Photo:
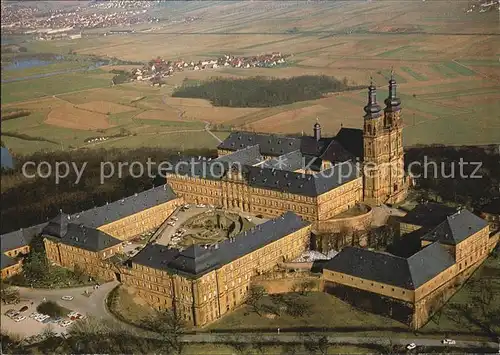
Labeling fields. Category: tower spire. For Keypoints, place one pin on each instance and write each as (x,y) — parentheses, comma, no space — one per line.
(392,102)
(372,109)
(317,130)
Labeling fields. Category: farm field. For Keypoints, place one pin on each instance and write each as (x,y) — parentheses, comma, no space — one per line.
(445,62)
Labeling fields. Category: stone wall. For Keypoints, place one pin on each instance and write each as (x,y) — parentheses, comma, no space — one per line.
(431,303)
(283,282)
(493,241)
(373,302)
(335,225)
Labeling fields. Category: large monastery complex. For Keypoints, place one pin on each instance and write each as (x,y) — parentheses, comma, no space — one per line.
(260,200)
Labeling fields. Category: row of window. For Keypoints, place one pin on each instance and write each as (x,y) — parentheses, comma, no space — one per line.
(372,284)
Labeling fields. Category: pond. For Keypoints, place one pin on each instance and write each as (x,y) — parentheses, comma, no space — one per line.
(26,63)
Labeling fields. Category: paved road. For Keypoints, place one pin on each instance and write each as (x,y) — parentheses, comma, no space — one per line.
(207,129)
(93,305)
(288,338)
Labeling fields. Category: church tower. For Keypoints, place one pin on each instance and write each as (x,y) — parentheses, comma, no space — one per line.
(384,178)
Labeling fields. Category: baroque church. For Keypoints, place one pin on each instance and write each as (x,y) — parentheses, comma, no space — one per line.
(315,177)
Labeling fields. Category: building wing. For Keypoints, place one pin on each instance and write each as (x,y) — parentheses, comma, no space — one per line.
(456,228)
(373,266)
(197,260)
(429,263)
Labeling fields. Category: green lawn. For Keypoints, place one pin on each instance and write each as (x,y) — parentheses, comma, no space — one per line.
(180,141)
(460,69)
(394,52)
(221,349)
(444,70)
(23,147)
(329,313)
(461,129)
(50,68)
(480,62)
(386,74)
(53,85)
(20,124)
(453,318)
(414,74)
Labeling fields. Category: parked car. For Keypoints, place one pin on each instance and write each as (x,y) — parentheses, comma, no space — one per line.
(41,317)
(13,314)
(34,315)
(67,298)
(10,312)
(56,320)
(47,320)
(66,323)
(175,219)
(411,346)
(449,342)
(19,318)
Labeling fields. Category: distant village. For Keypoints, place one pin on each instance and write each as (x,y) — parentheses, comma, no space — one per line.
(484,7)
(158,69)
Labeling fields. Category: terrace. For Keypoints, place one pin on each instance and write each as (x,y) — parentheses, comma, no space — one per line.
(204,225)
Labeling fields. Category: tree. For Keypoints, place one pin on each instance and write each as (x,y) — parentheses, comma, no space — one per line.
(8,293)
(304,286)
(239,345)
(170,326)
(389,347)
(315,344)
(289,349)
(36,267)
(297,307)
(52,309)
(10,344)
(254,296)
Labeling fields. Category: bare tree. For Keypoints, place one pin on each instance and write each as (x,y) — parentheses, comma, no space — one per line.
(254,296)
(238,344)
(170,326)
(8,294)
(315,344)
(289,349)
(304,286)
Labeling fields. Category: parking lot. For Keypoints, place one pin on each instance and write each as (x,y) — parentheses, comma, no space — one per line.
(29,326)
(86,300)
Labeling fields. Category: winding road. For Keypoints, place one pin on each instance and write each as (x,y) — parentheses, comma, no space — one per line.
(95,305)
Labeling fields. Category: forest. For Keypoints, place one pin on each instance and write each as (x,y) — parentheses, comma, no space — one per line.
(262,91)
(442,180)
(30,201)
